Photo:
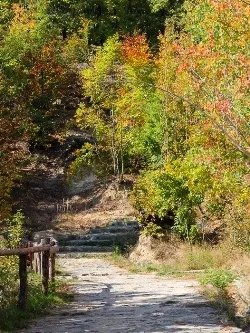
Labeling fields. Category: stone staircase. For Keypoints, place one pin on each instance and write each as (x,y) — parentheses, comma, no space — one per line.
(117,235)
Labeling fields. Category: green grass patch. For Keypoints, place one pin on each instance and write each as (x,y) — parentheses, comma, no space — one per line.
(199,259)
(151,268)
(11,318)
(219,278)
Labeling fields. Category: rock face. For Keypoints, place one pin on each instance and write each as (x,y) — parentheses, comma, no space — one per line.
(152,250)
(144,251)
(109,300)
(118,234)
(82,184)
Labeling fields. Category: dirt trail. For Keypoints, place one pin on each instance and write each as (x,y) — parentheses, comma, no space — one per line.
(110,300)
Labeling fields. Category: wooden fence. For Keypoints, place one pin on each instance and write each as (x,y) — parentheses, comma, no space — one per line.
(38,257)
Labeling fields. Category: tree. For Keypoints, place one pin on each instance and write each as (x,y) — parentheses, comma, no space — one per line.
(203,80)
(213,66)
(119,88)
(107,18)
(37,71)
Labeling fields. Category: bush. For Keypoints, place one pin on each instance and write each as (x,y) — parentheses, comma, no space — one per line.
(12,318)
(9,265)
(200,258)
(159,192)
(152,230)
(218,278)
(14,232)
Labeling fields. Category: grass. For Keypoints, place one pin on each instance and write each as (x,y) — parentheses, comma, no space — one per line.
(123,261)
(11,318)
(183,260)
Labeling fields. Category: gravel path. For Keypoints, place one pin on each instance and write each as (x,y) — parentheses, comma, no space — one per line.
(110,300)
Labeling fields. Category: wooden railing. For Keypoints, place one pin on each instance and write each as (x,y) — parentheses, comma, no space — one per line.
(40,258)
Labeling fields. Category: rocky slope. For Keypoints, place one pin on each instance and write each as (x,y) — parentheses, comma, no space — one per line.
(50,200)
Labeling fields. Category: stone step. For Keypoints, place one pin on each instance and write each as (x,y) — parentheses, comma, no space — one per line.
(101,236)
(89,242)
(131,239)
(113,229)
(82,249)
(100,233)
(77,254)
(122,223)
(100,239)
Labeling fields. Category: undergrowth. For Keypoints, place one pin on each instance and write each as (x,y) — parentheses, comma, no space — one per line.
(12,318)
(181,258)
(219,278)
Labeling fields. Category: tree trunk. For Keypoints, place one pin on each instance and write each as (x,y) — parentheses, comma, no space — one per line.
(45,267)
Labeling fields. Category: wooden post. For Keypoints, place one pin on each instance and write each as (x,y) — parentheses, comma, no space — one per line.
(35,260)
(45,267)
(31,257)
(24,253)
(35,266)
(23,291)
(39,264)
(52,271)
(32,261)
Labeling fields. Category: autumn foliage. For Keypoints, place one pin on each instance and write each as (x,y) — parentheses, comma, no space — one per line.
(176,113)
(135,49)
(203,77)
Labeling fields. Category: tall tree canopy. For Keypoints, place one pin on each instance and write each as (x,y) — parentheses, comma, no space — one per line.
(203,77)
(171,107)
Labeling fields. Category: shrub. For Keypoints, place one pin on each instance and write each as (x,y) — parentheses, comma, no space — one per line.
(12,318)
(14,232)
(218,278)
(158,192)
(9,265)
(152,230)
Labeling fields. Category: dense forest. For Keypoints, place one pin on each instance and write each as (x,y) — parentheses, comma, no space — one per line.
(162,87)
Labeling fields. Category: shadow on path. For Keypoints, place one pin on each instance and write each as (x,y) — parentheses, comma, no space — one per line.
(115,302)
